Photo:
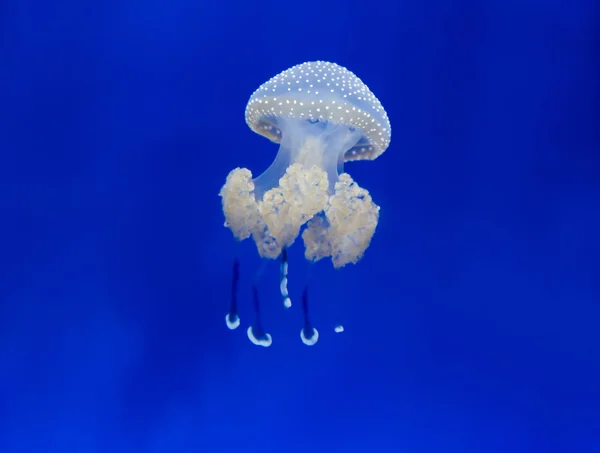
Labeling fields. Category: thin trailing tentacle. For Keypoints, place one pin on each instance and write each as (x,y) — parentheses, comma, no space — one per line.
(283,280)
(256,333)
(308,334)
(232,319)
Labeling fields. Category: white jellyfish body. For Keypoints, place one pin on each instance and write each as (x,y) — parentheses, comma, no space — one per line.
(321,115)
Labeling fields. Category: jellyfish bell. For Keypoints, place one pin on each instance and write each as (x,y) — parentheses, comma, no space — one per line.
(321,115)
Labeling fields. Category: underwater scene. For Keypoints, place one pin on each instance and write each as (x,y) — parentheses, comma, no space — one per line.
(333,226)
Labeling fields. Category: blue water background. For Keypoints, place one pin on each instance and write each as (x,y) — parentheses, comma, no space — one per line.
(472,323)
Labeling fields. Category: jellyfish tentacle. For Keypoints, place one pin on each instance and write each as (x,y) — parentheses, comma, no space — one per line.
(256,333)
(309,334)
(283,280)
(232,319)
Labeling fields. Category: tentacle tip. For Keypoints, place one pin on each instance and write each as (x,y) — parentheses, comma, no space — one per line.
(309,340)
(232,321)
(338,328)
(287,302)
(263,340)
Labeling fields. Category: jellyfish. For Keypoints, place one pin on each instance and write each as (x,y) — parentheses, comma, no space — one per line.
(321,115)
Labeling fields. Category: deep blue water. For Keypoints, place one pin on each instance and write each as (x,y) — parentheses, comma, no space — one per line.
(472,323)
